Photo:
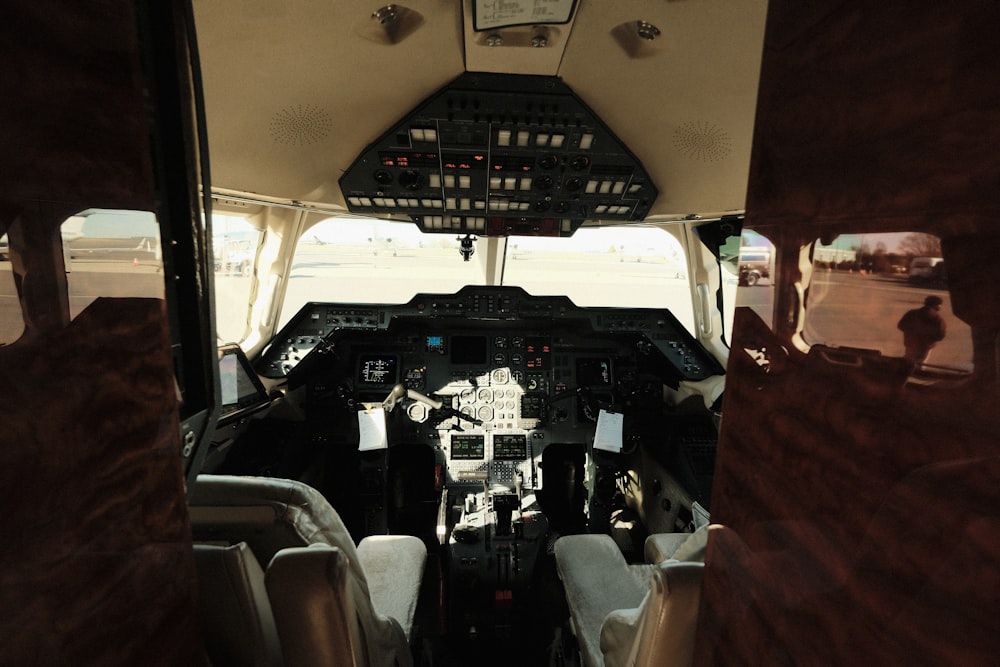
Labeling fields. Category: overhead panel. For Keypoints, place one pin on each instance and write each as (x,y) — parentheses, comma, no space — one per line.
(495,154)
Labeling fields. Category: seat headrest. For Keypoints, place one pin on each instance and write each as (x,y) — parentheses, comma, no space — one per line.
(267,513)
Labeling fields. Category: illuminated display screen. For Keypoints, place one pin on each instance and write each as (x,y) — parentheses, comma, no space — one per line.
(377,369)
(593,371)
(510,447)
(463,161)
(531,406)
(240,386)
(537,353)
(468,349)
(416,159)
(468,447)
(434,344)
(512,163)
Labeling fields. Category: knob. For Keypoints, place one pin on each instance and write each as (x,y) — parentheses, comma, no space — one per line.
(544,183)
(410,179)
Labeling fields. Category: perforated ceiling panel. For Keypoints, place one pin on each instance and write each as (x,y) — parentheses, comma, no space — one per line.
(496,154)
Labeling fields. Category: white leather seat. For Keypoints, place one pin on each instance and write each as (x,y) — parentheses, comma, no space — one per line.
(234,612)
(280,517)
(323,615)
(624,614)
(687,547)
(660,632)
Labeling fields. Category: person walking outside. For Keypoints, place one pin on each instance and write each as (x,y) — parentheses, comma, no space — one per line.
(922,328)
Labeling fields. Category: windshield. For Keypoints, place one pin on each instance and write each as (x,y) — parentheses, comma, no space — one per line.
(377,261)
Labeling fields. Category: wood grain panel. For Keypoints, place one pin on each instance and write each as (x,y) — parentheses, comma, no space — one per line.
(96,563)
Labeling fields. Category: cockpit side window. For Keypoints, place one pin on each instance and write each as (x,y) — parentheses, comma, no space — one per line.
(113,253)
(748,261)
(887,292)
(11,317)
(235,244)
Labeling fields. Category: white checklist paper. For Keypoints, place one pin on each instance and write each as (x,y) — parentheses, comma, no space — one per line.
(371,426)
(609,431)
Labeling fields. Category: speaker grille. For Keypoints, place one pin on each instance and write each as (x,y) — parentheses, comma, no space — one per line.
(300,124)
(703,141)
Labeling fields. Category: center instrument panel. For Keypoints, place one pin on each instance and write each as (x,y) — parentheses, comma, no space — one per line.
(494,374)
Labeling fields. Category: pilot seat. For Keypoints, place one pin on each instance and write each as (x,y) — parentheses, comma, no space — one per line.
(332,602)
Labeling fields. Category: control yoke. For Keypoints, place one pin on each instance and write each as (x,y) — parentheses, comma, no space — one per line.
(399,391)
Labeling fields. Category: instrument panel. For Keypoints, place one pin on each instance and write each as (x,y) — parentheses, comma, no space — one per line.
(317,324)
(496,154)
(491,375)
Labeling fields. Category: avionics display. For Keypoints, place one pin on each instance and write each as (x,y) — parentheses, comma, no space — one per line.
(593,371)
(435,344)
(510,447)
(468,349)
(409,159)
(468,447)
(536,353)
(241,389)
(532,405)
(377,369)
(463,160)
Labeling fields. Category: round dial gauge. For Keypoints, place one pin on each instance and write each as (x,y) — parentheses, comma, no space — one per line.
(414,378)
(417,412)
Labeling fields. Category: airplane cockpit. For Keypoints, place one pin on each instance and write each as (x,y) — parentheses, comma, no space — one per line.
(569,333)
(494,418)
(488,422)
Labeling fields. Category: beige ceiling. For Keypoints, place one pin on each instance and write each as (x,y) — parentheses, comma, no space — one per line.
(296,89)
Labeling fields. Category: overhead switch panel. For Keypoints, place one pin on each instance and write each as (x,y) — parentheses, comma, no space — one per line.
(499,154)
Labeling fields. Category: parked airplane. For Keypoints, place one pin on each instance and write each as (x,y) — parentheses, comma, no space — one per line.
(437,346)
